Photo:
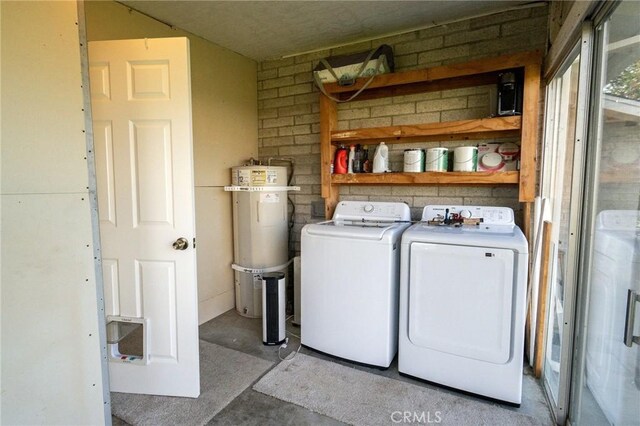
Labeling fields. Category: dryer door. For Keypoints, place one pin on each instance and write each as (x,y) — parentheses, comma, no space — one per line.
(461,300)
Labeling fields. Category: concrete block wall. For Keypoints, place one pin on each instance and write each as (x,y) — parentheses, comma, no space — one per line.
(289,121)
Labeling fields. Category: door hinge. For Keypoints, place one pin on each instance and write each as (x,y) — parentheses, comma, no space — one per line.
(194,242)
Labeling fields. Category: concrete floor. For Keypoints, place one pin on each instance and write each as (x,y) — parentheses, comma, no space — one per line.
(253,408)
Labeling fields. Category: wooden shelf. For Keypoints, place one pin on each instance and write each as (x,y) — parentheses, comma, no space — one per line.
(427,178)
(473,73)
(498,127)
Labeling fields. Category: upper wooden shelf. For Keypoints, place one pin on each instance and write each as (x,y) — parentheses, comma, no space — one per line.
(472,73)
(453,130)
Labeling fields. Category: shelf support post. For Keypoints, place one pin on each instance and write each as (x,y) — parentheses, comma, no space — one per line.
(529,137)
(328,123)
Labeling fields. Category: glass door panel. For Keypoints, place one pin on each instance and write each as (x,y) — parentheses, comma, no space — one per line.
(558,189)
(606,377)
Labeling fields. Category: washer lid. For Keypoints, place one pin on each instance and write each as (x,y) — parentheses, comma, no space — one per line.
(372,211)
(363,230)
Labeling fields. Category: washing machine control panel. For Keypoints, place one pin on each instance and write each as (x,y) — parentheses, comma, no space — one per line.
(496,216)
(371,211)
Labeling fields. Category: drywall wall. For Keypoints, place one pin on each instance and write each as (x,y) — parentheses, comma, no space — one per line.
(51,363)
(289,119)
(224,108)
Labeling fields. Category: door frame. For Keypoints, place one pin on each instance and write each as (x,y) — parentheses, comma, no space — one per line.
(589,210)
(93,203)
(576,201)
(587,243)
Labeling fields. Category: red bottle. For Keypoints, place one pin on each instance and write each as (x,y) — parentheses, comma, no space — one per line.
(340,161)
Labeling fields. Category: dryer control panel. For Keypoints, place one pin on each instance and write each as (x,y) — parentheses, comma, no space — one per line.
(485,215)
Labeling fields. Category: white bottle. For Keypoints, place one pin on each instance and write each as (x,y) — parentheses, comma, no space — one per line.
(352,156)
(381,159)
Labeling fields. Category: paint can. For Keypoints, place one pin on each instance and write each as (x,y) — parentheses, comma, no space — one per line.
(465,159)
(509,151)
(413,160)
(437,160)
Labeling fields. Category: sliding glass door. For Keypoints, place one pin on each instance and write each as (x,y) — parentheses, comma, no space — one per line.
(606,372)
(557,187)
(562,187)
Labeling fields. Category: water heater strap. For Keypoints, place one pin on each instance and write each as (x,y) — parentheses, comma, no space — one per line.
(261,188)
(260,270)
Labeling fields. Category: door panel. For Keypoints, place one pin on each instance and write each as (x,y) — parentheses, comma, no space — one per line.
(158,283)
(562,159)
(141,101)
(103,145)
(605,386)
(100,78)
(111,286)
(465,311)
(148,80)
(151,172)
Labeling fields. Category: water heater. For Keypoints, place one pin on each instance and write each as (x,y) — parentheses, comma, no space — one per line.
(260,231)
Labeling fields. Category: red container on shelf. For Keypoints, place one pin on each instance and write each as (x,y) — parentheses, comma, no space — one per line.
(340,161)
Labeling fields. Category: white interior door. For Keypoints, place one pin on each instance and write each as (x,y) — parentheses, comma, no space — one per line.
(141,104)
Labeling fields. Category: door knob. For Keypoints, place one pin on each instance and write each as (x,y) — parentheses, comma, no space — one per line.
(180,244)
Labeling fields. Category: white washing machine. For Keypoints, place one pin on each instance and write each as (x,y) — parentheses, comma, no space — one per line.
(462,300)
(612,368)
(350,279)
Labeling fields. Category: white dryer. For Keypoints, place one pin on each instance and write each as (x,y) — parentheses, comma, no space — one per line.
(350,279)
(612,368)
(462,300)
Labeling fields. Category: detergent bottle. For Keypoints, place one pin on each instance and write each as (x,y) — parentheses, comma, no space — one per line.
(358,160)
(340,161)
(352,157)
(366,163)
(381,159)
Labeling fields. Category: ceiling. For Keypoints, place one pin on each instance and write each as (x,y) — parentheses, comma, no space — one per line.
(271,29)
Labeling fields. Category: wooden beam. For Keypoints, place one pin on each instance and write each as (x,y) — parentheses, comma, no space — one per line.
(527,213)
(529,140)
(440,178)
(543,290)
(447,130)
(328,122)
(567,36)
